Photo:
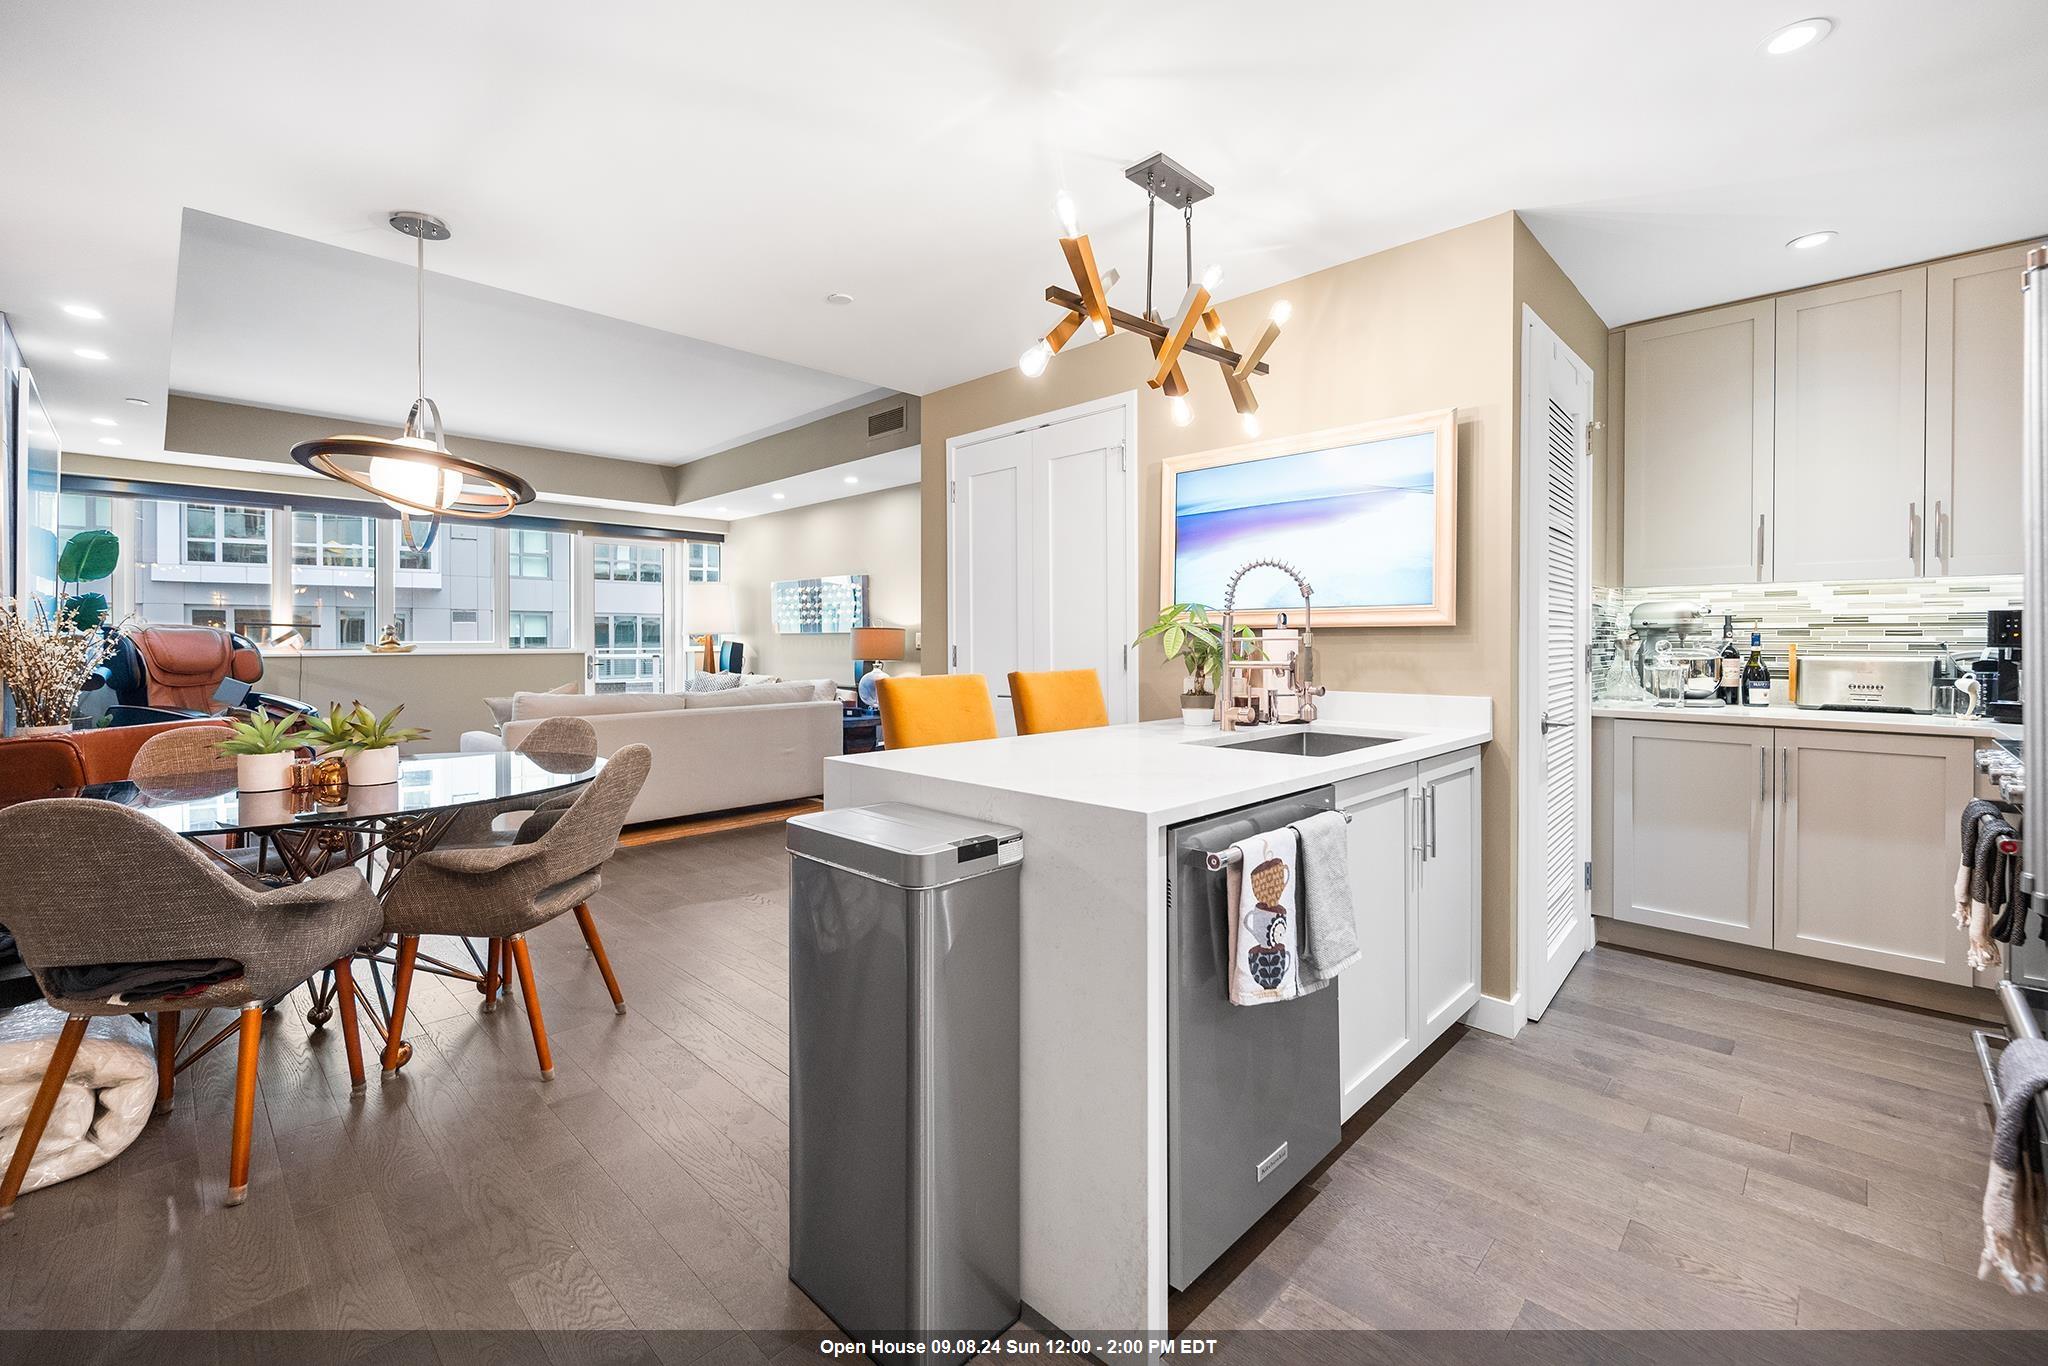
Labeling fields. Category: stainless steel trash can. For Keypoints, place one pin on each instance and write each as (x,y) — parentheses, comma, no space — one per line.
(903,1072)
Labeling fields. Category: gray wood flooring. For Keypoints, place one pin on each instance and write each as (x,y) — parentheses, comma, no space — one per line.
(1670,1147)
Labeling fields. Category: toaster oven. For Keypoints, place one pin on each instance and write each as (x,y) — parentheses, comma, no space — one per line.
(1867,682)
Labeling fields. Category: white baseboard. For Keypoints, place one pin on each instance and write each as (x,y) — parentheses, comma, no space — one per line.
(1496,1016)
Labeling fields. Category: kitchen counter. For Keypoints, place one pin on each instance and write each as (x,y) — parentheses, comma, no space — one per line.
(1874,722)
(1095,807)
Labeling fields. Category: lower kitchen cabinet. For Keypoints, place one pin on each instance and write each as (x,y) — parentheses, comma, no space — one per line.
(1693,828)
(1868,843)
(1414,852)
(1828,843)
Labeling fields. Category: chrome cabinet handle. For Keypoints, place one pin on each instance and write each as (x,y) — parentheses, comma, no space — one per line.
(1942,541)
(1546,725)
(1431,790)
(1763,774)
(1785,773)
(1760,546)
(1421,828)
(1913,532)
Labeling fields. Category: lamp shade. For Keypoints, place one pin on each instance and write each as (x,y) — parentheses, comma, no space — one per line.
(878,642)
(707,609)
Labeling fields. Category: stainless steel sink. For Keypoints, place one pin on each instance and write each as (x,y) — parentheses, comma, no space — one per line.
(1310,744)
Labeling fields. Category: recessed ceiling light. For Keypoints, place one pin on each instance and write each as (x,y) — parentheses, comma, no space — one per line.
(721,511)
(851,479)
(778,497)
(110,441)
(139,402)
(1808,241)
(104,422)
(85,311)
(1793,37)
(838,300)
(89,353)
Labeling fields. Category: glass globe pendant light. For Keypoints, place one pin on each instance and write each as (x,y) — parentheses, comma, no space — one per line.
(414,472)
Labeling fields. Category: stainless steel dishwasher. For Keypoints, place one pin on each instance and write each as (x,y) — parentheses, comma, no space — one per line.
(1252,1092)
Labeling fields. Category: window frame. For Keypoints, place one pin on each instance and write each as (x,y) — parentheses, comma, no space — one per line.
(218,537)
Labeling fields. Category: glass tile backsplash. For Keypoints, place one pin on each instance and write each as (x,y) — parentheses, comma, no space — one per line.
(1877,616)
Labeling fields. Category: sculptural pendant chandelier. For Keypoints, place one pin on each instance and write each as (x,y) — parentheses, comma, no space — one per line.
(1161,178)
(414,471)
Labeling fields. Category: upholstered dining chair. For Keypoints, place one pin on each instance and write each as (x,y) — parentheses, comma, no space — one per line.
(163,904)
(180,751)
(936,709)
(502,892)
(1058,699)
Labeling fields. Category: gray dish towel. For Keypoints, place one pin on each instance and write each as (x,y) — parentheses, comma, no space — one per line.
(2014,1203)
(1328,939)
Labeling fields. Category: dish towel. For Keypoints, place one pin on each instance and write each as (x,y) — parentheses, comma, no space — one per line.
(1264,965)
(1329,923)
(1981,881)
(2014,1203)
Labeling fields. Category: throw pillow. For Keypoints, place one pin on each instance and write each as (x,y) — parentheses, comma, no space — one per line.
(703,682)
(501,707)
(765,694)
(532,706)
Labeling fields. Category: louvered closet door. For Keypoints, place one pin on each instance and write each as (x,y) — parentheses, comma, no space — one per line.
(1557,400)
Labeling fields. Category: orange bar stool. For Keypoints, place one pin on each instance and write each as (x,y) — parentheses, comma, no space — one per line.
(937,709)
(1061,699)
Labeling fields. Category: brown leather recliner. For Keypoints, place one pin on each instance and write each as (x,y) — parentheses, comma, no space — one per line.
(161,673)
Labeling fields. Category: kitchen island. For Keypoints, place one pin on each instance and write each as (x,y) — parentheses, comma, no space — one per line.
(1096,807)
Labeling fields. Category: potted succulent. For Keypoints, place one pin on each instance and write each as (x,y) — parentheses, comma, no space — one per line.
(371,750)
(1185,632)
(328,732)
(264,747)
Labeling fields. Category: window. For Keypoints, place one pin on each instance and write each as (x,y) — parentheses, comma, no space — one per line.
(531,630)
(352,627)
(455,604)
(413,554)
(704,561)
(219,534)
(626,562)
(333,541)
(253,622)
(530,552)
(627,649)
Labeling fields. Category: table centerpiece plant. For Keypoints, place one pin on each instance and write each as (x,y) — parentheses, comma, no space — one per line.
(371,749)
(264,747)
(1185,632)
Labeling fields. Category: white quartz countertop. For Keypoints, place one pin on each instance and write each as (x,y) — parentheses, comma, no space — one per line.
(1169,771)
(1813,718)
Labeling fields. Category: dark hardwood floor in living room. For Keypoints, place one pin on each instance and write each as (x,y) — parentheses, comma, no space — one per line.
(1670,1147)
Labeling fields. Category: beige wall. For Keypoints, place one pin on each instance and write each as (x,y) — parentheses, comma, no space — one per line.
(875,534)
(1543,287)
(816,445)
(443,692)
(1426,325)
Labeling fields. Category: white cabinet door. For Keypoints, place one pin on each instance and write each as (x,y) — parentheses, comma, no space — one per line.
(1697,447)
(1974,401)
(1692,832)
(1378,1014)
(1867,849)
(1851,430)
(1447,890)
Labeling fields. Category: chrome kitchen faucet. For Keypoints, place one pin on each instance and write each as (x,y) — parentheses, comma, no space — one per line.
(1301,669)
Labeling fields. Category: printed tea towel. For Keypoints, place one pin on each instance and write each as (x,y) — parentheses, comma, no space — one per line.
(1264,963)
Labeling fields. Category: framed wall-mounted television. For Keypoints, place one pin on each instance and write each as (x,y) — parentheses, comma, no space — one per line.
(1368,514)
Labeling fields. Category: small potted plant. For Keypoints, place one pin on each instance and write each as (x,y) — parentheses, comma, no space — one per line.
(264,748)
(1186,633)
(371,749)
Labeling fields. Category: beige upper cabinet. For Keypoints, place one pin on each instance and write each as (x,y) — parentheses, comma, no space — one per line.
(1697,454)
(1852,430)
(1974,342)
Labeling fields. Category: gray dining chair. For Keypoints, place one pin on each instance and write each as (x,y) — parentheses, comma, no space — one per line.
(164,902)
(505,891)
(184,753)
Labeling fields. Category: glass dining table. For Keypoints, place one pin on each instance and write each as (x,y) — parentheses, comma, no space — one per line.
(298,835)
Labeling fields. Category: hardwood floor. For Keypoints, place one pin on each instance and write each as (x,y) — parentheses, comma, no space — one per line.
(1670,1147)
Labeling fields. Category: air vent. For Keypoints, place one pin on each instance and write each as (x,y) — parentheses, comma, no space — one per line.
(887,421)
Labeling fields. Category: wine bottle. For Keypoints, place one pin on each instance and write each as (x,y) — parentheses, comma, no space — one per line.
(1756,675)
(1730,689)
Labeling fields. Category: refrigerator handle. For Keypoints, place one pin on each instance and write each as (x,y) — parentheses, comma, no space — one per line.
(2034,519)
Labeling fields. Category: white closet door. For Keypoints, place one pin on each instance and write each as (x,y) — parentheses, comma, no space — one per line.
(1081,530)
(993,566)
(1557,401)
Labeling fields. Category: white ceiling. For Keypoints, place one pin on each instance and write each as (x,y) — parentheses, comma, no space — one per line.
(713,172)
(869,474)
(265,317)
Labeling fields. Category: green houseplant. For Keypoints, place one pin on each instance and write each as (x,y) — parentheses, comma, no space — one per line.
(328,732)
(371,750)
(264,748)
(86,558)
(1186,632)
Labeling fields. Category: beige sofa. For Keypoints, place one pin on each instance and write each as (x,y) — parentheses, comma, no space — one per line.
(713,751)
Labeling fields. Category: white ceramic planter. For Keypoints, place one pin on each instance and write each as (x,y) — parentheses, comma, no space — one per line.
(264,772)
(372,767)
(1198,716)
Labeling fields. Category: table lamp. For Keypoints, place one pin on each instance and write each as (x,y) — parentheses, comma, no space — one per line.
(707,612)
(871,645)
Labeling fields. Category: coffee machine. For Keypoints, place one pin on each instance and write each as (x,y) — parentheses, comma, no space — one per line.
(1997,670)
